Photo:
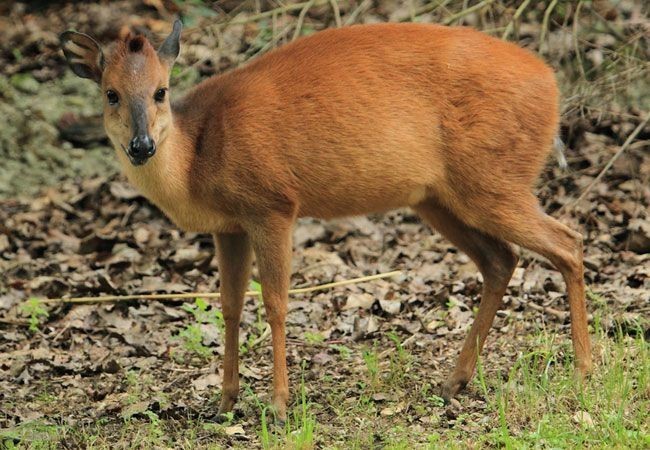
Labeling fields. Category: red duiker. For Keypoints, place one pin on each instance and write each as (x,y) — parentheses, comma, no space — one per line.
(448,121)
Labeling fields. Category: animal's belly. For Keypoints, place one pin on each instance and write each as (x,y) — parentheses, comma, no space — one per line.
(340,203)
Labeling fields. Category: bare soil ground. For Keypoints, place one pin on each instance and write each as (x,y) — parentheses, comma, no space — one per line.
(366,360)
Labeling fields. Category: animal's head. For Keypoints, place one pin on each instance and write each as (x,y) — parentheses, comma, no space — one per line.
(134,80)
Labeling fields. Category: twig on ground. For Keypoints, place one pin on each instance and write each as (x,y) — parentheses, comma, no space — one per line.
(190,295)
(562,315)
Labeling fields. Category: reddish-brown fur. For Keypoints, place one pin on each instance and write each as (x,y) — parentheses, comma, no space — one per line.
(449,121)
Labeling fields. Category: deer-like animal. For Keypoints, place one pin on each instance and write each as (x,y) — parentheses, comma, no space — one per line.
(448,121)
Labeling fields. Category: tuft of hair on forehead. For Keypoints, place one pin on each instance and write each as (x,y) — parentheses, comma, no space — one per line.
(131,45)
(135,44)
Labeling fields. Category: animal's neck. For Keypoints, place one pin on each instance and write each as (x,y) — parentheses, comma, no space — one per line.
(164,179)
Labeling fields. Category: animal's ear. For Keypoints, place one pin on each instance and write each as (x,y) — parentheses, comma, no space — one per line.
(83,54)
(170,49)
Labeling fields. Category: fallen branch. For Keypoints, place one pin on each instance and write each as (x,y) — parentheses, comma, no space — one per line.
(191,295)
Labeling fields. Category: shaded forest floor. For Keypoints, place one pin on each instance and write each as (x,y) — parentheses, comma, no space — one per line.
(365,360)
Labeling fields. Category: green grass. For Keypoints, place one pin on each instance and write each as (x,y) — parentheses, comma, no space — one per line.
(541,403)
(534,404)
(298,431)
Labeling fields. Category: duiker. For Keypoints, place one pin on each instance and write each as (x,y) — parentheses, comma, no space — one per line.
(448,121)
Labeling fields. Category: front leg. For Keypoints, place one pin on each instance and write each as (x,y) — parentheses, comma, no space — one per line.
(234,259)
(272,245)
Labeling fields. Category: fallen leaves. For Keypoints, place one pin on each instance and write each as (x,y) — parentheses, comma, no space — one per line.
(97,235)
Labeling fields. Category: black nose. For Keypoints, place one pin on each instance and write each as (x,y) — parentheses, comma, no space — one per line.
(141,148)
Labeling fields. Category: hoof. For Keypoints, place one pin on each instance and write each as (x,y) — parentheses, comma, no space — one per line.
(280,418)
(222,418)
(273,419)
(583,370)
(279,410)
(450,388)
(227,404)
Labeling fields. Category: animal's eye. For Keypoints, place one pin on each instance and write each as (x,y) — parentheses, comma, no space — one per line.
(159,96)
(112,97)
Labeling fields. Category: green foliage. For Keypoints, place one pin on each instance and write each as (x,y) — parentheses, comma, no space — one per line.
(371,359)
(192,339)
(192,335)
(156,431)
(204,314)
(257,287)
(313,338)
(400,361)
(37,435)
(136,386)
(33,308)
(344,351)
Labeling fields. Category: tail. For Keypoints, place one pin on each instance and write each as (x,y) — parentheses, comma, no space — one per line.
(559,152)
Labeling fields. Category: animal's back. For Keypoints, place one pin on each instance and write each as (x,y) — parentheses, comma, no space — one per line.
(374,117)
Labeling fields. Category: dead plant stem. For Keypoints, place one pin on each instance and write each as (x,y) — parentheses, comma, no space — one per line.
(515,17)
(191,295)
(547,16)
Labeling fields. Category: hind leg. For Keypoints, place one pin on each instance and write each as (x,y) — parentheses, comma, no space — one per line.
(496,261)
(524,224)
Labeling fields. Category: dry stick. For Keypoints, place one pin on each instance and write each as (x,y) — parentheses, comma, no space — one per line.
(186,295)
(337,13)
(562,315)
(352,17)
(518,13)
(467,11)
(609,164)
(547,16)
(301,19)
